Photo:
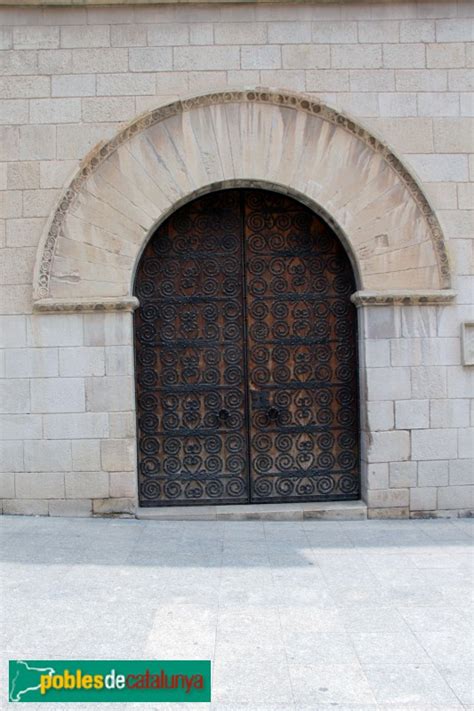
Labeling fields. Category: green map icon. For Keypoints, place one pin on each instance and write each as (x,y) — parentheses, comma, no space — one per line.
(25,678)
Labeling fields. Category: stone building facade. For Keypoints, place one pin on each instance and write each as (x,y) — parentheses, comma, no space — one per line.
(111,118)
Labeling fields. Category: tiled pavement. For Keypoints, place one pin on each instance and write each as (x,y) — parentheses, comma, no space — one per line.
(294,615)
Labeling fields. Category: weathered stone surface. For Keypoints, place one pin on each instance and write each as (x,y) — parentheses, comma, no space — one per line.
(256,116)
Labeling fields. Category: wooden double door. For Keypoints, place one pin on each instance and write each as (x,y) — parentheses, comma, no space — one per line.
(246,356)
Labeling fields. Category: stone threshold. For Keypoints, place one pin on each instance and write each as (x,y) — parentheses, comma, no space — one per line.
(322,510)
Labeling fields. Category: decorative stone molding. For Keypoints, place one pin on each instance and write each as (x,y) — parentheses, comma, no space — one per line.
(84,305)
(403,298)
(291,142)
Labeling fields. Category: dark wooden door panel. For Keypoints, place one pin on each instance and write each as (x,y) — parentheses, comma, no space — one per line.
(189,342)
(246,356)
(301,355)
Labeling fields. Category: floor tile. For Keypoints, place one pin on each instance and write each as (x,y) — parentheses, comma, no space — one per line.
(414,685)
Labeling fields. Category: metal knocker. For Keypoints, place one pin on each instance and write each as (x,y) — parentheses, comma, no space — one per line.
(273,413)
(223,414)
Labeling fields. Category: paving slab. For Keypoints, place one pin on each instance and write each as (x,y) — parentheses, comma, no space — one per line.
(295,615)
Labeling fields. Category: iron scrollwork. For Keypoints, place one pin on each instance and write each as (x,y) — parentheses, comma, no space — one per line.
(246,357)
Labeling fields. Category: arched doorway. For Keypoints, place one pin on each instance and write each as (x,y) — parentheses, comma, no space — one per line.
(246,356)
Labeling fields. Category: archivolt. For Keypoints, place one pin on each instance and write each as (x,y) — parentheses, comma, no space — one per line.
(124,188)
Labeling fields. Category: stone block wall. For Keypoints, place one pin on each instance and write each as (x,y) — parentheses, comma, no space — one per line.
(70,77)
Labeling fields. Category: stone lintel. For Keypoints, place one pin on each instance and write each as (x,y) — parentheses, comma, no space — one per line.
(123,303)
(403,298)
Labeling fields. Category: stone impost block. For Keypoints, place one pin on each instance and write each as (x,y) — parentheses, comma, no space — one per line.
(88,425)
(39,485)
(433,473)
(14,396)
(58,395)
(86,455)
(412,414)
(75,508)
(109,394)
(423,499)
(390,446)
(48,455)
(456,497)
(388,498)
(402,474)
(87,485)
(434,444)
(118,455)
